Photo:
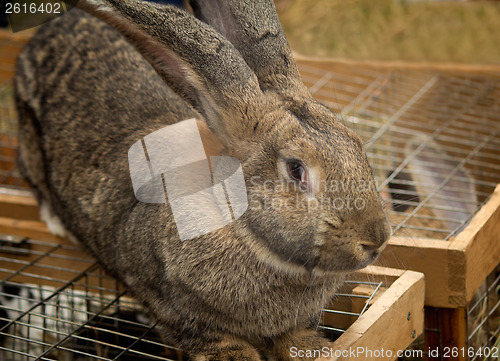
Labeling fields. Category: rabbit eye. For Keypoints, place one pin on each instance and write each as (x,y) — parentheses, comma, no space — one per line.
(298,173)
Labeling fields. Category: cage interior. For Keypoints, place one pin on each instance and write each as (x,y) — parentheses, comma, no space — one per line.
(483,317)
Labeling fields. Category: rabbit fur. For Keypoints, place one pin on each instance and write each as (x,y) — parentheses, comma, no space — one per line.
(85,93)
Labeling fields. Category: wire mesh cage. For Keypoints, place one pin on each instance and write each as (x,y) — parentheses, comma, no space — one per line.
(56,302)
(69,324)
(433,139)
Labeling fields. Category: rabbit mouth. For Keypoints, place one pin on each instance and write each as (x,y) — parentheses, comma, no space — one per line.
(344,256)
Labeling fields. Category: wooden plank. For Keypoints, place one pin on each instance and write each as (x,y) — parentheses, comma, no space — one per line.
(29,229)
(427,256)
(366,291)
(453,326)
(81,275)
(17,206)
(402,305)
(374,273)
(50,260)
(432,334)
(44,263)
(351,304)
(481,243)
(446,331)
(20,37)
(11,45)
(338,320)
(485,69)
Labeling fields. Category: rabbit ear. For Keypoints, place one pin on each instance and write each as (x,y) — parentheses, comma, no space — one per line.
(253,27)
(193,59)
(450,189)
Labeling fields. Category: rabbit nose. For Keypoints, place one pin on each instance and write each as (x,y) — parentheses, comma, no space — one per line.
(378,231)
(370,248)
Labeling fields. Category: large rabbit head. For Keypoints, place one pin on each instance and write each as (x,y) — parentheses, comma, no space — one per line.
(312,198)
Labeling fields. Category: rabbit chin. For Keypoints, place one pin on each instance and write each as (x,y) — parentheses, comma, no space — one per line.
(337,262)
(320,261)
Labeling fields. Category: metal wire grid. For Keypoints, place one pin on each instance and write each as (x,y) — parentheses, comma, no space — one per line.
(366,301)
(483,318)
(57,303)
(453,122)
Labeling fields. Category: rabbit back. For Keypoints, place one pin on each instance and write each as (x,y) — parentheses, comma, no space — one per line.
(80,74)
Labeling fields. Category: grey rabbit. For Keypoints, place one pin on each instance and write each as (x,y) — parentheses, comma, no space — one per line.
(86,93)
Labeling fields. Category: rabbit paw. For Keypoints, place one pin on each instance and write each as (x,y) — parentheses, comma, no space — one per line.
(228,350)
(299,345)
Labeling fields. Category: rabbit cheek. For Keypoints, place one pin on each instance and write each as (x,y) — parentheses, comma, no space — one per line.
(344,258)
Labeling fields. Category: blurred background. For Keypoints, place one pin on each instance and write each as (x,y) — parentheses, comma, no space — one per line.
(413,30)
(463,31)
